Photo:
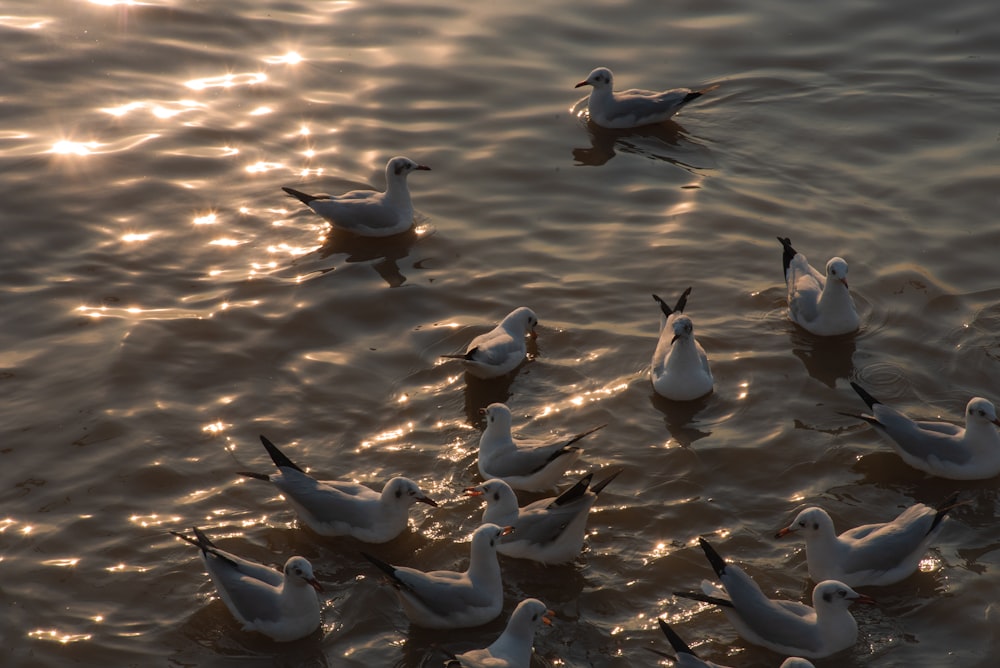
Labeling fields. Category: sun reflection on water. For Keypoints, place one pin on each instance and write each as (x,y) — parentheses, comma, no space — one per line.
(227,81)
(58,636)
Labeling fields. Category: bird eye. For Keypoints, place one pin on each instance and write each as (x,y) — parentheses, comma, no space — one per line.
(802,523)
(399,493)
(534,617)
(816,526)
(492,543)
(496,496)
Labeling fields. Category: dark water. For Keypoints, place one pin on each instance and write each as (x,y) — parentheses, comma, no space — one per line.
(164,304)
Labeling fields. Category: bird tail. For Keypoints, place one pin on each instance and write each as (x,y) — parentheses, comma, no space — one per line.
(277,456)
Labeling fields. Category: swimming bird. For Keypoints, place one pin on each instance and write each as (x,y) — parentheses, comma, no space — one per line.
(513,648)
(680,368)
(549,531)
(502,349)
(632,108)
(686,657)
(788,627)
(941,448)
(283,606)
(531,465)
(821,305)
(342,508)
(872,554)
(449,599)
(369,213)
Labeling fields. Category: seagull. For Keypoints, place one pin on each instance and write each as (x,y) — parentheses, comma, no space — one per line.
(680,366)
(686,658)
(941,448)
(869,555)
(787,627)
(549,531)
(502,349)
(525,464)
(513,648)
(282,606)
(340,508)
(369,213)
(632,108)
(449,599)
(821,305)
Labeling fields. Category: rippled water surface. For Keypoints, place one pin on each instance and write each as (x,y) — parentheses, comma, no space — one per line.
(164,303)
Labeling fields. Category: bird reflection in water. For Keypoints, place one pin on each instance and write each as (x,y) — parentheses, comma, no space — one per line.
(679,417)
(382,253)
(826,358)
(665,141)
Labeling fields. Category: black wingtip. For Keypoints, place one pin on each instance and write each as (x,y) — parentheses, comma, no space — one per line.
(787,254)
(667,311)
(675,640)
(601,484)
(682,301)
(678,307)
(943,510)
(718,563)
(255,476)
(388,569)
(305,198)
(867,398)
(704,598)
(277,456)
(574,492)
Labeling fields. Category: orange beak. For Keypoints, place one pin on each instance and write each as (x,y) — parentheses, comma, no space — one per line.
(507,530)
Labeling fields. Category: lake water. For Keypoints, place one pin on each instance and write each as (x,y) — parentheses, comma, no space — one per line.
(164,303)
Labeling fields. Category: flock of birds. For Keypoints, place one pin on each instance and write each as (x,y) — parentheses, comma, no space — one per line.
(285,606)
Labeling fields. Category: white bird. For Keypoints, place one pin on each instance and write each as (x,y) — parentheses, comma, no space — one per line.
(821,305)
(941,448)
(449,599)
(283,606)
(513,648)
(341,508)
(869,555)
(632,108)
(679,370)
(502,349)
(686,657)
(527,464)
(369,213)
(549,531)
(788,627)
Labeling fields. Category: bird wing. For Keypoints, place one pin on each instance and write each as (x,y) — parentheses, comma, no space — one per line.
(525,459)
(544,525)
(787,623)
(805,286)
(244,593)
(330,501)
(923,440)
(881,547)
